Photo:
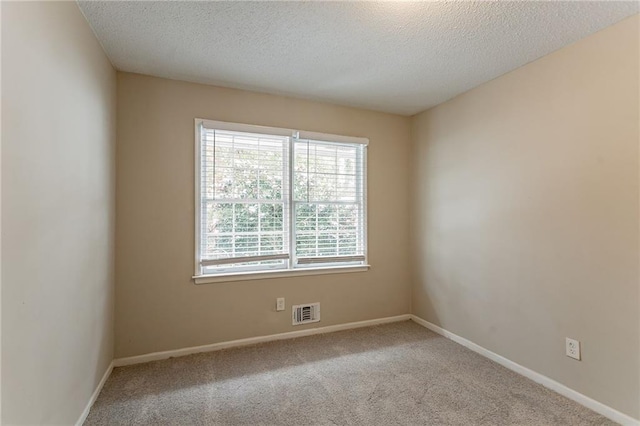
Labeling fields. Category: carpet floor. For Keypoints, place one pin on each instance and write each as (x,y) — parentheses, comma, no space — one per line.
(393,374)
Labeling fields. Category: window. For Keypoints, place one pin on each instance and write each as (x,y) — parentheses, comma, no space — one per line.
(270,199)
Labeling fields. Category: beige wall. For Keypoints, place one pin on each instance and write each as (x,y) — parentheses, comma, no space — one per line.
(526,215)
(58,140)
(158,307)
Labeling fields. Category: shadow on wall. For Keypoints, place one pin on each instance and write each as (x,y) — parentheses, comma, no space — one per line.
(420,224)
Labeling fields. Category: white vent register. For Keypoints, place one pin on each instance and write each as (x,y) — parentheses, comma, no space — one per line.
(303,314)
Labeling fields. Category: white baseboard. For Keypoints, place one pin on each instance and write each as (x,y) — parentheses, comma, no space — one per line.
(119,362)
(94,396)
(545,381)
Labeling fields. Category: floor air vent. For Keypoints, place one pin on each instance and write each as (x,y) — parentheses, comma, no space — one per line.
(303,314)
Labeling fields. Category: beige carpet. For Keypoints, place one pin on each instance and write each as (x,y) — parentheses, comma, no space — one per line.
(395,374)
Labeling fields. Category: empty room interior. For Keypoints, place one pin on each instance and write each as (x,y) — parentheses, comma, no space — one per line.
(320,213)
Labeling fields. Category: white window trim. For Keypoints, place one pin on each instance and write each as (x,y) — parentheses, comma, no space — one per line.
(335,268)
(278,273)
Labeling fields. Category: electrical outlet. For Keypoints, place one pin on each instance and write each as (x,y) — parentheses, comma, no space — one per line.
(280,304)
(573,348)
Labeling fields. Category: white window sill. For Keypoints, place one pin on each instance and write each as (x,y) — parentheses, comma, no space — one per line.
(262,275)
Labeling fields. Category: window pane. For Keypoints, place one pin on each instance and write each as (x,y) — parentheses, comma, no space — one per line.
(327,217)
(306,245)
(245,166)
(328,230)
(246,218)
(239,229)
(219,217)
(272,244)
(326,172)
(246,244)
(271,217)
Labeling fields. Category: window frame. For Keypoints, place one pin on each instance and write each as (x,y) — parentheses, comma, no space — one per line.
(290,268)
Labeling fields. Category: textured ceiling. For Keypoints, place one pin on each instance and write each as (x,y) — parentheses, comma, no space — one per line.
(400,57)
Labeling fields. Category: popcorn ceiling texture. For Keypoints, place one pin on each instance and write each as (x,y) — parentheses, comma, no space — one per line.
(399,57)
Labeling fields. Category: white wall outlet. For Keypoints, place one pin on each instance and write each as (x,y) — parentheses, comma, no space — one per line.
(573,348)
(280,304)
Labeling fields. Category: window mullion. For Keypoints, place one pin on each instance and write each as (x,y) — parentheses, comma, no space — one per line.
(235,194)
(317,230)
(258,193)
(291,209)
(338,230)
(233,231)
(361,242)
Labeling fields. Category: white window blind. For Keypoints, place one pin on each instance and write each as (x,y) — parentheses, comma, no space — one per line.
(329,202)
(267,199)
(244,200)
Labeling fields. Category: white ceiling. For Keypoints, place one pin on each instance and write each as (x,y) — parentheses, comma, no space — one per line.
(400,57)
